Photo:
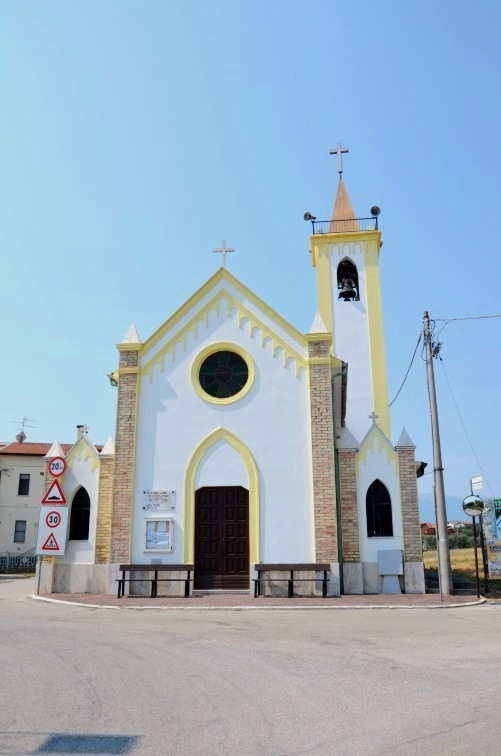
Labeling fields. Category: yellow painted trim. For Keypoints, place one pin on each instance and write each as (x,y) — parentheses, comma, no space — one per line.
(203,316)
(127,370)
(376,338)
(221,275)
(75,453)
(382,443)
(211,349)
(221,434)
(350,237)
(321,260)
(318,337)
(129,347)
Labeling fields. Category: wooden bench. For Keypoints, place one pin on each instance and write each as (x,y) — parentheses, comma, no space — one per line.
(156,568)
(291,569)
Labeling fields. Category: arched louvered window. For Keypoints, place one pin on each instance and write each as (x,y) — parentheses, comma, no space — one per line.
(378,504)
(80,515)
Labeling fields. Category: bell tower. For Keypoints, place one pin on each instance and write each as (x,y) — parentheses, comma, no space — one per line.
(345,252)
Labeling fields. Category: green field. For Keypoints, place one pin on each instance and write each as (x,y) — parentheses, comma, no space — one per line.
(463,564)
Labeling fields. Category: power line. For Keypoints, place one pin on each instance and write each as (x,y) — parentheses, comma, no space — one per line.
(408,370)
(446,321)
(464,428)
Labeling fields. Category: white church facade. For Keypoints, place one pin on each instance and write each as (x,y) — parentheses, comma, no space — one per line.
(241,441)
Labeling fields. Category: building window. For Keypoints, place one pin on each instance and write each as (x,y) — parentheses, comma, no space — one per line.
(24,485)
(378,503)
(223,374)
(20,530)
(80,515)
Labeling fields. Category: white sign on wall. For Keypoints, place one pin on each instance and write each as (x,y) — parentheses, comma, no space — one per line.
(157,501)
(52,531)
(158,534)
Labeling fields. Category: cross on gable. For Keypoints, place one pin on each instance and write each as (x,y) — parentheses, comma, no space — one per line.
(373,417)
(222,250)
(339,151)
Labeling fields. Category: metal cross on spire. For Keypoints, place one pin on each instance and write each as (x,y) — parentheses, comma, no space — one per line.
(373,417)
(339,151)
(222,251)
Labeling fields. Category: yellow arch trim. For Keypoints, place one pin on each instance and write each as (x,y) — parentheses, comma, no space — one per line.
(221,434)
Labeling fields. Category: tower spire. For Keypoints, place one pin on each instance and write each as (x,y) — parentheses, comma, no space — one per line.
(343,209)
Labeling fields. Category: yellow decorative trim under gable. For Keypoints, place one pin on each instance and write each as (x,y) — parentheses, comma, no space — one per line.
(75,454)
(221,275)
(202,316)
(382,443)
(221,434)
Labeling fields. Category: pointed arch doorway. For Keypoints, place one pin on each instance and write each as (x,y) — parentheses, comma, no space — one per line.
(222,538)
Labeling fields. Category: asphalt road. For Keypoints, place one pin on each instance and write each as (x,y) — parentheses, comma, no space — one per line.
(116,681)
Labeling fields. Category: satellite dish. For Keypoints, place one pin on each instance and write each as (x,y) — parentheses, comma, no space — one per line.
(375,210)
(308,217)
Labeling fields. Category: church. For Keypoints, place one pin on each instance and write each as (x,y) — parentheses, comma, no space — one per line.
(241,440)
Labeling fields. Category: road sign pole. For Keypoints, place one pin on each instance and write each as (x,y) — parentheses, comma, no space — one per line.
(484,554)
(40,559)
(476,557)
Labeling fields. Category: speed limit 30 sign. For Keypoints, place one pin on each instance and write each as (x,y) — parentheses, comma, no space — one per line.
(53,519)
(52,530)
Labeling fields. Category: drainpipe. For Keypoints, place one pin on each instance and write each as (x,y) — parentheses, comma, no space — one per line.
(338,488)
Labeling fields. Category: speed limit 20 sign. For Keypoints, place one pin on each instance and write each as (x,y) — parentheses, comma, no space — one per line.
(57,467)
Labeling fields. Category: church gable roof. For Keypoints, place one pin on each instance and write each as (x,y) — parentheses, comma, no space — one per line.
(83,446)
(376,437)
(223,290)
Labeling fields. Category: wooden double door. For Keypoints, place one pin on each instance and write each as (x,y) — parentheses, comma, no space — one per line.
(222,538)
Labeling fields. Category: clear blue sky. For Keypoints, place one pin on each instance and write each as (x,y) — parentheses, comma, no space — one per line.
(135,136)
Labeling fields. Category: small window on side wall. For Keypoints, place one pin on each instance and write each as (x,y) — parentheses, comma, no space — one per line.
(24,485)
(20,531)
(80,516)
(378,507)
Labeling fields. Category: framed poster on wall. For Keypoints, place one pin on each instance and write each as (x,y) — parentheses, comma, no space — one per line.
(158,534)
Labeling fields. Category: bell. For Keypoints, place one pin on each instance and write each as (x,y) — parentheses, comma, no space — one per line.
(348,292)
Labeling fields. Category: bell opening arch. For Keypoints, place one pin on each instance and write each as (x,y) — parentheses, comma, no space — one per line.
(347,280)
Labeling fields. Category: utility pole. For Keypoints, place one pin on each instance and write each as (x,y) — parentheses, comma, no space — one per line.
(444,557)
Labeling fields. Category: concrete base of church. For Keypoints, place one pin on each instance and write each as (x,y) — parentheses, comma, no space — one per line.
(78,578)
(358,578)
(412,581)
(414,577)
(353,582)
(373,581)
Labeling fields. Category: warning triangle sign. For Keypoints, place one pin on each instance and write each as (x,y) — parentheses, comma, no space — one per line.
(54,495)
(51,544)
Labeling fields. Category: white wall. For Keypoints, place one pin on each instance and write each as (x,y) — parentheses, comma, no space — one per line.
(221,458)
(272,420)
